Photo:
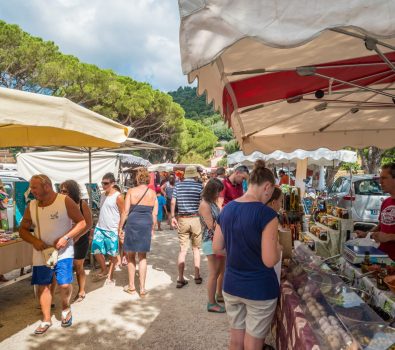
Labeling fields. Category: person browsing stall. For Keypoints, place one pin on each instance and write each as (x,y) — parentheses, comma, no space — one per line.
(57,220)
(384,232)
(247,230)
(233,185)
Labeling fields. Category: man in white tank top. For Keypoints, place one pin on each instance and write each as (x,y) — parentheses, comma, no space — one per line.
(105,237)
(56,220)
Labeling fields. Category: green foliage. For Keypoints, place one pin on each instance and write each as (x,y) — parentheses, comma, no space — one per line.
(388,156)
(220,129)
(232,147)
(195,106)
(29,63)
(223,162)
(350,166)
(199,142)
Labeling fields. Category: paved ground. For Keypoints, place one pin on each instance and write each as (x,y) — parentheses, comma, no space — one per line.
(168,318)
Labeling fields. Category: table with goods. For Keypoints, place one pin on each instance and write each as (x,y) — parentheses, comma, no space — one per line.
(14,252)
(327,229)
(321,308)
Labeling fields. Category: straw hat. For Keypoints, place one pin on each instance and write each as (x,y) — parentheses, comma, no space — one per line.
(190,172)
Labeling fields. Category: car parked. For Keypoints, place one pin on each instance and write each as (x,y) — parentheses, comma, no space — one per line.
(362,194)
(8,182)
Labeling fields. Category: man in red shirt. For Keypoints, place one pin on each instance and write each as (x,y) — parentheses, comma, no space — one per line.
(384,232)
(233,185)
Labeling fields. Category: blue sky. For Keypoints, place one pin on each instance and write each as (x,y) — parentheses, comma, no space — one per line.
(138,38)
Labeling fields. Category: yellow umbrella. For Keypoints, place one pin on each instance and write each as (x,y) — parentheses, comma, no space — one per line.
(28,119)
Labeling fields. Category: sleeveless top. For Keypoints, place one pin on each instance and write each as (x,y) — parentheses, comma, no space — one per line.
(207,234)
(54,223)
(109,212)
(169,191)
(246,276)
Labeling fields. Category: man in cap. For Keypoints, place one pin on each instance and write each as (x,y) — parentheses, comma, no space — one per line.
(187,195)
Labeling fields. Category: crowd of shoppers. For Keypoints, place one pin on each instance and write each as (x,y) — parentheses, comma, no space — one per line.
(235,228)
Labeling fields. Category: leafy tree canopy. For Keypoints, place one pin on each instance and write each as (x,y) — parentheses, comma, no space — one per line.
(199,142)
(194,106)
(31,64)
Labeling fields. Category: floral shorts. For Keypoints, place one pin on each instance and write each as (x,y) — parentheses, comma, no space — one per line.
(105,242)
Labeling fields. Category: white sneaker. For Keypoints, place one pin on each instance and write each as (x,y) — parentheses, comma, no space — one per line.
(109,282)
(117,268)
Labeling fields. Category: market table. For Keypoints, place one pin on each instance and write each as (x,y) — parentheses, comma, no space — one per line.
(15,254)
(383,299)
(292,327)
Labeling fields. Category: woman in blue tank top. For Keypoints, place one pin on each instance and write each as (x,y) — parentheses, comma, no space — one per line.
(247,231)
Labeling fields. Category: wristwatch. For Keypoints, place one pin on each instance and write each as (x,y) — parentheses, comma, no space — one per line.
(67,238)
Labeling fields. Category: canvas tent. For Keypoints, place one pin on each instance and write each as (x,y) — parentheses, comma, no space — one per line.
(61,166)
(319,157)
(289,75)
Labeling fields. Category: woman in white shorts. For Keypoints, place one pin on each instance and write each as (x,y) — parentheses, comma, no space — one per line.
(247,229)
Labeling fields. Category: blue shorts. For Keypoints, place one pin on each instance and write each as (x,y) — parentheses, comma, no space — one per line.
(207,247)
(105,242)
(63,271)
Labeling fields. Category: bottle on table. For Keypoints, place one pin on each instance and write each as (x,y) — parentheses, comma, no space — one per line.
(366,263)
(380,277)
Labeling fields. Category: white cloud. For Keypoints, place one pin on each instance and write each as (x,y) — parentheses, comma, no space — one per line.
(138,38)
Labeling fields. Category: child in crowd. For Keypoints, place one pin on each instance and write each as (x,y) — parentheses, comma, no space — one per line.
(161,206)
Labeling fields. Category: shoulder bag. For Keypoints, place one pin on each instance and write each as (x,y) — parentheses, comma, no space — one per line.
(50,254)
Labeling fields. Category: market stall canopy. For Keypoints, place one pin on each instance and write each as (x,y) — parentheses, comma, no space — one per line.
(319,157)
(61,166)
(295,74)
(28,119)
(168,167)
(131,144)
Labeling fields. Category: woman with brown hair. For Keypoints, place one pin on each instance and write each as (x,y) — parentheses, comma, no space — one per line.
(276,201)
(209,212)
(141,210)
(247,228)
(81,242)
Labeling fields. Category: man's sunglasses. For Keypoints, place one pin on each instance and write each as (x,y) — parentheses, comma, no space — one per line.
(105,183)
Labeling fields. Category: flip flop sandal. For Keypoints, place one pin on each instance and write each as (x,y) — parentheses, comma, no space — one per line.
(42,328)
(181,284)
(215,308)
(67,322)
(129,290)
(78,298)
(198,280)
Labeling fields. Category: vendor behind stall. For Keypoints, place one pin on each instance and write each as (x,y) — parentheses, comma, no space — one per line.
(384,232)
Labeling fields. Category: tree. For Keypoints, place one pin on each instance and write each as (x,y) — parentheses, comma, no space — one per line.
(371,159)
(232,147)
(199,142)
(29,63)
(195,106)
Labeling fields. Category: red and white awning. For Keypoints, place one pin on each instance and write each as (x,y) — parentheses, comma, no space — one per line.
(289,75)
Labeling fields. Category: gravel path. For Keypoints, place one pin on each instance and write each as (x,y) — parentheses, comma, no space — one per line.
(168,318)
